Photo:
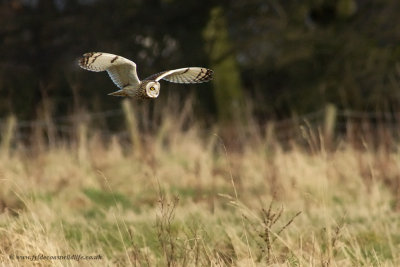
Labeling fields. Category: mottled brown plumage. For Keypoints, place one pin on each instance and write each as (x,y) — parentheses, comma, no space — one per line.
(123,73)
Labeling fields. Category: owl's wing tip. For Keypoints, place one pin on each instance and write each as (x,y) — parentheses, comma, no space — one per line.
(88,54)
(207,76)
(210,74)
(84,60)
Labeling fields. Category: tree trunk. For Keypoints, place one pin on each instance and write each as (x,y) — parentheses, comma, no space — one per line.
(227,82)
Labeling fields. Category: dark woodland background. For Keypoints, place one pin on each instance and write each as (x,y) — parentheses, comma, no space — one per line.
(282,57)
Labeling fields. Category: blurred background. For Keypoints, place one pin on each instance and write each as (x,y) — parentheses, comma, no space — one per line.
(272,59)
(296,140)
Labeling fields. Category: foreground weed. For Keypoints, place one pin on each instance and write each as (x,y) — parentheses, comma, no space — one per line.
(331,238)
(166,234)
(263,230)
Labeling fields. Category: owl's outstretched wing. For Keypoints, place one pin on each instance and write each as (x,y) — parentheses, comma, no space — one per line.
(122,71)
(184,75)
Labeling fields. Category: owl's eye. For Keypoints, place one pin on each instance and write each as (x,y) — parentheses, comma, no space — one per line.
(152,88)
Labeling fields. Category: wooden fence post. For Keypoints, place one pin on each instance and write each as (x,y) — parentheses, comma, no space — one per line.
(82,141)
(329,124)
(8,135)
(269,133)
(132,126)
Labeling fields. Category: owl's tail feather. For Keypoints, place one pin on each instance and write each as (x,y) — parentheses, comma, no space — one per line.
(119,93)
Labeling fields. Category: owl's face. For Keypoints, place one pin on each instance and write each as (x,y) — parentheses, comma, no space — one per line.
(153,89)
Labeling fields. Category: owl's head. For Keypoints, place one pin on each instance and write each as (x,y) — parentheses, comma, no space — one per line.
(152,89)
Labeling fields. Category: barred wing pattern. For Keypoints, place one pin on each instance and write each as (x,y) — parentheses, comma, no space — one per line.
(184,75)
(122,71)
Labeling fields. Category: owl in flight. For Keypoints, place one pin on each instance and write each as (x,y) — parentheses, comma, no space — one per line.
(122,72)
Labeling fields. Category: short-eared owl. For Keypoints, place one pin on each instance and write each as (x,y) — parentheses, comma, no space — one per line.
(122,72)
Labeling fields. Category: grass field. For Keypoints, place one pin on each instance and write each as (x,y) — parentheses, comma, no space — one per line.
(182,196)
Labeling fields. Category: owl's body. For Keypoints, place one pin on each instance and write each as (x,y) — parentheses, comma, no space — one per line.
(123,73)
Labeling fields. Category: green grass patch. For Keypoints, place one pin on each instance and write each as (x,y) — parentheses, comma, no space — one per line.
(106,199)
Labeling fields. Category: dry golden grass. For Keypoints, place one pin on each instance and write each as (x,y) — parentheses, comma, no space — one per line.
(187,198)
